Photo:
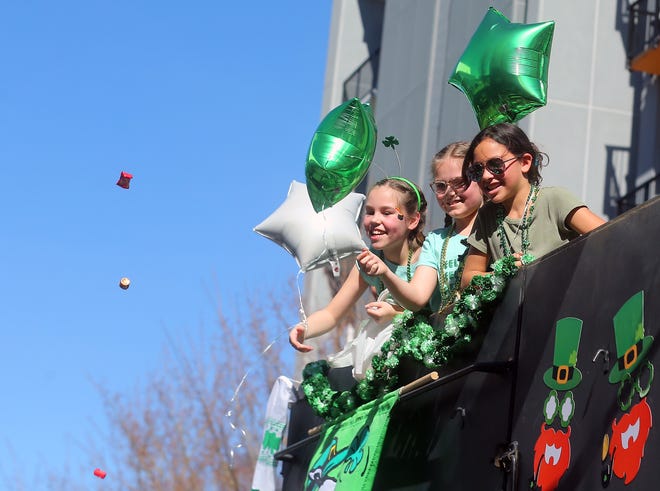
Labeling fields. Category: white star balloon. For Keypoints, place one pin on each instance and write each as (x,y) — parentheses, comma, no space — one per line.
(315,239)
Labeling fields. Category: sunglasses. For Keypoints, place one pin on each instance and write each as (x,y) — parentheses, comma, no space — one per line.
(496,166)
(441,187)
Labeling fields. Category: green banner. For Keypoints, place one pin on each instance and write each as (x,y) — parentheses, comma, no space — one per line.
(348,455)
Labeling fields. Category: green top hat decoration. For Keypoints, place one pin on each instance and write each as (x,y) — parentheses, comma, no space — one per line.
(632,345)
(564,375)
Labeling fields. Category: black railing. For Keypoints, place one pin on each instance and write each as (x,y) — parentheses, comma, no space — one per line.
(643,26)
(364,80)
(639,195)
(502,367)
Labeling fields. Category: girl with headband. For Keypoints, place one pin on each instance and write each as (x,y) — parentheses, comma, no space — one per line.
(438,274)
(394,220)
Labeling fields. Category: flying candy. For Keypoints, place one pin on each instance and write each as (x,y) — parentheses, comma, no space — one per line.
(100,473)
(124,180)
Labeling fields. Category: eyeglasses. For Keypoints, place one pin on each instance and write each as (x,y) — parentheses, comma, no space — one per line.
(441,187)
(495,166)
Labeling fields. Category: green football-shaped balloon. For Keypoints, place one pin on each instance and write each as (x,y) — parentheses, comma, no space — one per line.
(340,153)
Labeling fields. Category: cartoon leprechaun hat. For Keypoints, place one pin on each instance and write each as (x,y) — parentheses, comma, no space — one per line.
(564,375)
(631,343)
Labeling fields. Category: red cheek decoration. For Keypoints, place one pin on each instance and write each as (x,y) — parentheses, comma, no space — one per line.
(99,473)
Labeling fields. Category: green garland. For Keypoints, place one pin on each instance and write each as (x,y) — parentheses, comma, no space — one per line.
(414,337)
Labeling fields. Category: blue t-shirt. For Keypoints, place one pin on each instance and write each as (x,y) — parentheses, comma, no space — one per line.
(400,270)
(431,256)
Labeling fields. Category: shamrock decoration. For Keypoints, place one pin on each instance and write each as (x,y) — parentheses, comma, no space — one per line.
(504,69)
(390,141)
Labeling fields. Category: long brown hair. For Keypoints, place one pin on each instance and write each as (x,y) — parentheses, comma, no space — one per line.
(516,141)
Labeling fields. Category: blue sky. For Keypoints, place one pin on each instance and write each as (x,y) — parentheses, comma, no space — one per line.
(211,106)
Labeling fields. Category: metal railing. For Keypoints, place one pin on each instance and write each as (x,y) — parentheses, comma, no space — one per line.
(639,195)
(643,26)
(364,80)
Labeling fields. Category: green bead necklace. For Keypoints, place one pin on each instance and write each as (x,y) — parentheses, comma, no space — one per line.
(381,286)
(523,228)
(448,297)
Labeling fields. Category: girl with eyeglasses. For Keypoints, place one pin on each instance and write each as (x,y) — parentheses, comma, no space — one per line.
(519,218)
(438,274)
(394,220)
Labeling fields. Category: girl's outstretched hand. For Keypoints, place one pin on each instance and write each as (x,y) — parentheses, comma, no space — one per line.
(296,338)
(371,264)
(382,312)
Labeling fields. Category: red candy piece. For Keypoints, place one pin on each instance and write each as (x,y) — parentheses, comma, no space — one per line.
(99,473)
(124,180)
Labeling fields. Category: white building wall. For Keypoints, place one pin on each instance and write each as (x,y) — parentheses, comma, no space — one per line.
(590,99)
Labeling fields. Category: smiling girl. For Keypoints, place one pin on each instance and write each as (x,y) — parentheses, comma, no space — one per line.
(438,274)
(520,218)
(394,219)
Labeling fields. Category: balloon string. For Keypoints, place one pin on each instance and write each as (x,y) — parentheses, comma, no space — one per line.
(301,310)
(382,171)
(232,401)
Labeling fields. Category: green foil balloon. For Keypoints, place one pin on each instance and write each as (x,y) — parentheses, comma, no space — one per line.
(340,153)
(504,69)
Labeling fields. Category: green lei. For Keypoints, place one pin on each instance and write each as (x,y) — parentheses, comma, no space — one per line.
(414,337)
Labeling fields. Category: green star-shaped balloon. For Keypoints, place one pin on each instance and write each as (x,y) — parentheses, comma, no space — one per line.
(504,69)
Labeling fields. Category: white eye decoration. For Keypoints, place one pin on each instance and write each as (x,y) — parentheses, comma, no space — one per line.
(567,409)
(550,407)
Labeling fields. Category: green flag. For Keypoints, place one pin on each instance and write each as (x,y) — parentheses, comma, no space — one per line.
(347,457)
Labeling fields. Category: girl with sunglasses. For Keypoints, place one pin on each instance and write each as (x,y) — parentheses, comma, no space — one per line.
(394,220)
(438,274)
(519,218)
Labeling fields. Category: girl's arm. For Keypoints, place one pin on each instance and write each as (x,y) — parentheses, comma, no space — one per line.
(583,220)
(476,263)
(325,319)
(414,295)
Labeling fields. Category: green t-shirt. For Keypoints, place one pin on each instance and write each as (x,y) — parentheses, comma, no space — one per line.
(547,230)
(431,256)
